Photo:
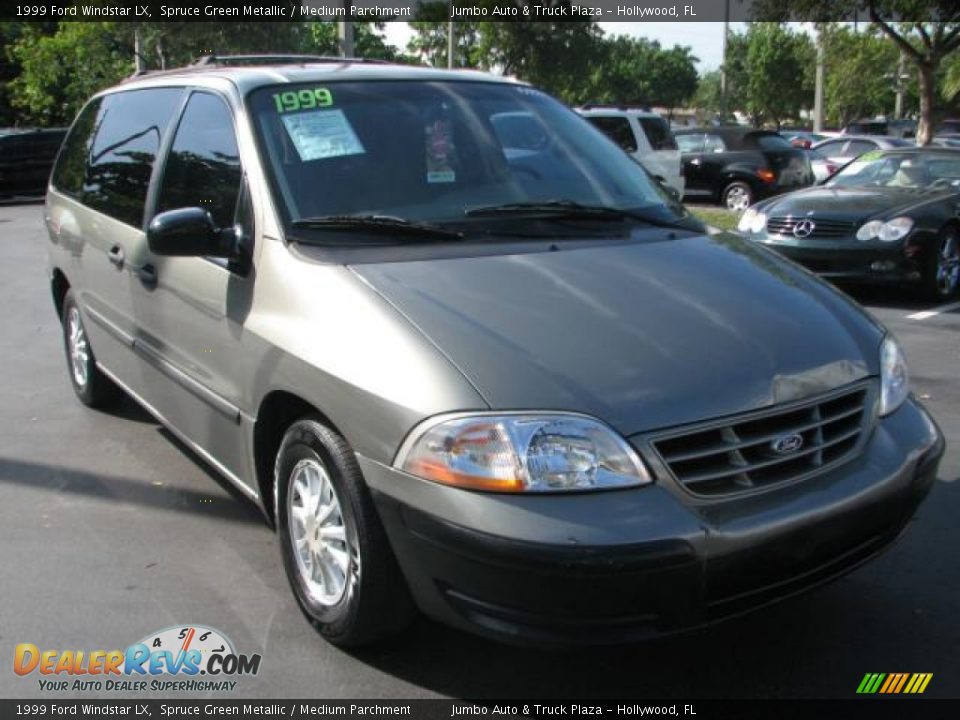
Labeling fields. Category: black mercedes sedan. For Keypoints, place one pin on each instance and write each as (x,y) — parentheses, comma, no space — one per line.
(890,216)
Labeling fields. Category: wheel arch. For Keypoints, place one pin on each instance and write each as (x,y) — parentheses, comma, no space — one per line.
(59,287)
(278,410)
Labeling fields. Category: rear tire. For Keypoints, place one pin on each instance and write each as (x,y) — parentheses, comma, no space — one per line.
(335,551)
(941,273)
(92,387)
(737,196)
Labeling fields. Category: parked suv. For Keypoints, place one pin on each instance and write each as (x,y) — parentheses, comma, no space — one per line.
(738,165)
(644,135)
(26,157)
(467,366)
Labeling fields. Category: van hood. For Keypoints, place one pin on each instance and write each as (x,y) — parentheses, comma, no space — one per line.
(643,335)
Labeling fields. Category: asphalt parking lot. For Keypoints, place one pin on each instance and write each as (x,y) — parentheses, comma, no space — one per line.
(109,530)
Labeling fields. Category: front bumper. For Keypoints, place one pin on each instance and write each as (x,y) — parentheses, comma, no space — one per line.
(620,565)
(842,261)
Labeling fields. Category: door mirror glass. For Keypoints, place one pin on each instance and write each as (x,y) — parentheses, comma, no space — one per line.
(190,232)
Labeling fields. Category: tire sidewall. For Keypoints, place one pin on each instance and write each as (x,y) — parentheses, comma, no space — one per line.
(933,258)
(303,442)
(736,184)
(85,391)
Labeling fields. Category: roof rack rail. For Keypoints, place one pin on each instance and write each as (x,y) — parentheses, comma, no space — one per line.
(278,59)
(211,61)
(616,106)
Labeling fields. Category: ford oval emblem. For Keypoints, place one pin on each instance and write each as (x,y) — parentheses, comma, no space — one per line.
(787,444)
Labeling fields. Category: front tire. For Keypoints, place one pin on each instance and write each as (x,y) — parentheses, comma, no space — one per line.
(92,387)
(335,551)
(737,196)
(942,267)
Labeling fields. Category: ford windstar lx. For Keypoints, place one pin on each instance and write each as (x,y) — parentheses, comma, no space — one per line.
(509,383)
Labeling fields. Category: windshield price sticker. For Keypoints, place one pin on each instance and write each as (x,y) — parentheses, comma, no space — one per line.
(320,134)
(296,100)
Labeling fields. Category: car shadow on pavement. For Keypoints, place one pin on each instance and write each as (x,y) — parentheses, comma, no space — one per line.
(59,479)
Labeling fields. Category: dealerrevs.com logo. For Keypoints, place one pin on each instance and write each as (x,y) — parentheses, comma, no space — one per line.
(182,658)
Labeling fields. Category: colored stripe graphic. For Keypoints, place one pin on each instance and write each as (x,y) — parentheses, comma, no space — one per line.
(894,683)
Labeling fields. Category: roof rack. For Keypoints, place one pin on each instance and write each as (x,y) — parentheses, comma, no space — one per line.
(278,59)
(211,61)
(615,106)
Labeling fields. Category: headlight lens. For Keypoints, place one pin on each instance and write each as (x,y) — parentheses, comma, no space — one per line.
(522,453)
(752,221)
(896,229)
(894,378)
(870,230)
(889,231)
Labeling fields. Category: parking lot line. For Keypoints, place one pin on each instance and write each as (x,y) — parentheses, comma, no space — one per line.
(936,311)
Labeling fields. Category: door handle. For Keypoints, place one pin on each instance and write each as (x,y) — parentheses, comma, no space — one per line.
(148,275)
(116,256)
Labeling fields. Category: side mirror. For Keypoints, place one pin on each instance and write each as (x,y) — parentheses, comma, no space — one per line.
(188,232)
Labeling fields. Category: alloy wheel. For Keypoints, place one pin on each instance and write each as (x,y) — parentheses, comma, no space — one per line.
(78,348)
(318,532)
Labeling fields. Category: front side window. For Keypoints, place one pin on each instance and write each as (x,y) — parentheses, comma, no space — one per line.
(203,167)
(435,151)
(617,129)
(129,126)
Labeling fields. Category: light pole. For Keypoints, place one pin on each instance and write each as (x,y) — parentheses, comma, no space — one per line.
(345,31)
(723,62)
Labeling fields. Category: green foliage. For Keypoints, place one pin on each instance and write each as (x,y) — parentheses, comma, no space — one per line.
(926,45)
(429,43)
(779,65)
(59,72)
(639,71)
(859,75)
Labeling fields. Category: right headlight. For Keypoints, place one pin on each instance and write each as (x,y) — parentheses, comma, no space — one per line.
(521,453)
(752,221)
(889,231)
(894,378)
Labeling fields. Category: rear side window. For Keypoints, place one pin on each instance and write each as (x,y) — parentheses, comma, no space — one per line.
(617,129)
(768,141)
(203,168)
(690,143)
(658,133)
(120,159)
(714,144)
(69,172)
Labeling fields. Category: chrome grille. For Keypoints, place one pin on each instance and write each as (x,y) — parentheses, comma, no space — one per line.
(822,228)
(738,455)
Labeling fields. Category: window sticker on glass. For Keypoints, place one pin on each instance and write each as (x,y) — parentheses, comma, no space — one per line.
(320,134)
(440,152)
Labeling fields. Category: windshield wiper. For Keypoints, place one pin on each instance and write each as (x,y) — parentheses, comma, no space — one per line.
(569,210)
(379,224)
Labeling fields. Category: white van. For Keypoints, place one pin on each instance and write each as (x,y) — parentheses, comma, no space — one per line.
(643,134)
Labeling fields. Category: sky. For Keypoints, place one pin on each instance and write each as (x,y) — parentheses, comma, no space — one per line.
(705,38)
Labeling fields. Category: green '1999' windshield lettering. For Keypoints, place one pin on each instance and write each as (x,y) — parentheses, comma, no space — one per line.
(291,101)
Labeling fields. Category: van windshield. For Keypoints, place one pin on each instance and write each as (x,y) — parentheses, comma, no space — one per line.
(434,151)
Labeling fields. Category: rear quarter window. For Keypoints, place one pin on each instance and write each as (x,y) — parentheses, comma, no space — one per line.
(70,169)
(658,133)
(617,129)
